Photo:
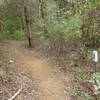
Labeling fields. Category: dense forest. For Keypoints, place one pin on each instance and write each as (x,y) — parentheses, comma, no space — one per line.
(49,49)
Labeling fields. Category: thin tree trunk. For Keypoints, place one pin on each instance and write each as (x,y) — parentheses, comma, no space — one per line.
(28,26)
(26,18)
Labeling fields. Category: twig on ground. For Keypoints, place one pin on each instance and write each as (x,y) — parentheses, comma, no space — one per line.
(16,94)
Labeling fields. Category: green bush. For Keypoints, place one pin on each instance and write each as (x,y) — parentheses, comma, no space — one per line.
(68,28)
(18,35)
(95,81)
(4,35)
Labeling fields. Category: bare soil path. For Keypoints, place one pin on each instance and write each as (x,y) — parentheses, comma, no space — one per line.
(51,86)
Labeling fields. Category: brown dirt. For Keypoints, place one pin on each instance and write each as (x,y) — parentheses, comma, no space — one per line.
(51,86)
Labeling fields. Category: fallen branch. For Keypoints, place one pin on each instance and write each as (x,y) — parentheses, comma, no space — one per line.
(16,94)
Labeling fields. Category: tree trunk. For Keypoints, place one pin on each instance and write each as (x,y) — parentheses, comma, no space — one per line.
(27,25)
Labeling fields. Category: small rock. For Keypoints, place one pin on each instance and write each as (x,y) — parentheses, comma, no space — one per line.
(11,61)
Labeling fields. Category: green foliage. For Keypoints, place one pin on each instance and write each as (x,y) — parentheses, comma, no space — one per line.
(13,24)
(13,29)
(86,96)
(65,22)
(38,27)
(74,94)
(68,28)
(57,28)
(18,35)
(4,35)
(95,80)
(73,28)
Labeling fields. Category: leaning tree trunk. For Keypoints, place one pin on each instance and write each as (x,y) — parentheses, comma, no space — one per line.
(28,26)
(27,21)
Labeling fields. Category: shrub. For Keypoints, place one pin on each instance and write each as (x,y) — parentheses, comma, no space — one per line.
(18,35)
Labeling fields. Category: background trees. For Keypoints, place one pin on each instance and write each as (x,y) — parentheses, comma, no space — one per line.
(51,20)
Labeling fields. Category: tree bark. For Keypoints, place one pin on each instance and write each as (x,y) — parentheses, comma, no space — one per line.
(27,21)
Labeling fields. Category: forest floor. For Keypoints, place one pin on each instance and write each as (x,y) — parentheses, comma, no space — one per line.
(38,78)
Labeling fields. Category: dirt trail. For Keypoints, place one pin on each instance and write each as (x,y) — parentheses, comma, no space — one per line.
(51,86)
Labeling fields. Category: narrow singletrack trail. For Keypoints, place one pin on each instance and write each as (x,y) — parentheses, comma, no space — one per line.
(51,86)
